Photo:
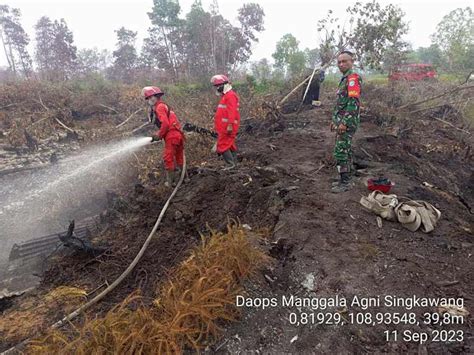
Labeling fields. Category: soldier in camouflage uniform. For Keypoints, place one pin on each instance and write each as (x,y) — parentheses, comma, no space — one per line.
(345,120)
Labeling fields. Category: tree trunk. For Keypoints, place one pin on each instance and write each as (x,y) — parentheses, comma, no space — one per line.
(213,44)
(169,50)
(5,49)
(12,58)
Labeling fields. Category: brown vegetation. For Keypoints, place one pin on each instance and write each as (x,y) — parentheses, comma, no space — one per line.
(188,312)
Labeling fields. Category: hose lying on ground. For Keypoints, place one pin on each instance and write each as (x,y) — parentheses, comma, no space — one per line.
(124,274)
(411,214)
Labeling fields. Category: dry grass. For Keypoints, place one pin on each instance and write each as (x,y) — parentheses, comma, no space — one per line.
(34,314)
(19,324)
(65,292)
(192,305)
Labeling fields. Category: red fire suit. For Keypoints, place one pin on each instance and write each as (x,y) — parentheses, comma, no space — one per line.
(227,122)
(172,134)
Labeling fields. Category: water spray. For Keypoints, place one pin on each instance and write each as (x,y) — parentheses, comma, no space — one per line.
(41,202)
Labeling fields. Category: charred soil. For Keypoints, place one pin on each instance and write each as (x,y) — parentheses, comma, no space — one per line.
(282,187)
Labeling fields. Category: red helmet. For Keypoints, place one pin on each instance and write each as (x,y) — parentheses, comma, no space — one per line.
(217,80)
(148,91)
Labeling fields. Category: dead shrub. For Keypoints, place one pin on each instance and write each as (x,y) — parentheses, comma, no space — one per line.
(192,305)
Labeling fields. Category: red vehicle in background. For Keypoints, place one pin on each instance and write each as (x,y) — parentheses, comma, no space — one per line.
(413,72)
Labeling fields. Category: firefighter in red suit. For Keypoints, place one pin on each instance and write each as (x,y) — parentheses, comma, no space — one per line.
(169,130)
(226,120)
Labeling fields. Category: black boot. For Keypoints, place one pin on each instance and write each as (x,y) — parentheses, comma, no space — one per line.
(229,159)
(169,178)
(178,174)
(344,184)
(234,155)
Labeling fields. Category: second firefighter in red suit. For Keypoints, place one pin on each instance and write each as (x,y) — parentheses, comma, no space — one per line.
(169,130)
(226,120)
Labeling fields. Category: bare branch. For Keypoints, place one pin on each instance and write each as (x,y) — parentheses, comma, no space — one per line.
(55,118)
(450,124)
(10,105)
(305,80)
(292,91)
(64,126)
(110,108)
(468,77)
(436,106)
(457,88)
(129,117)
(42,103)
(138,128)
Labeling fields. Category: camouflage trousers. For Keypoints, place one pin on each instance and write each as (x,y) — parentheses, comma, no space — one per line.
(343,151)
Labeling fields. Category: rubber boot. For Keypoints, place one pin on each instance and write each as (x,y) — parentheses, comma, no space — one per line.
(337,181)
(229,159)
(234,155)
(169,178)
(174,178)
(178,174)
(344,184)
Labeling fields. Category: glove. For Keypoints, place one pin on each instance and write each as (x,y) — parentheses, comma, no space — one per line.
(155,138)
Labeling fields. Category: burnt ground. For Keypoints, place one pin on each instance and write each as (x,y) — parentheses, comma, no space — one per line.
(331,238)
(283,186)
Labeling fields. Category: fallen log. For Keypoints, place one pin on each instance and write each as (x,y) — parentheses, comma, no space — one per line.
(456,89)
(292,92)
(436,106)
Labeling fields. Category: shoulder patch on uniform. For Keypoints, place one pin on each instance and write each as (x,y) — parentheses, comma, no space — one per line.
(353,85)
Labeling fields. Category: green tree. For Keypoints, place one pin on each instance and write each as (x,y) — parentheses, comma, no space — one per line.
(251,22)
(455,37)
(429,55)
(261,70)
(288,56)
(56,54)
(166,31)
(154,54)
(125,56)
(203,43)
(65,52)
(313,57)
(44,52)
(92,61)
(15,41)
(375,34)
(200,53)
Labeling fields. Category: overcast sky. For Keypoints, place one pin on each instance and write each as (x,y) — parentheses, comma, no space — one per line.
(93,21)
